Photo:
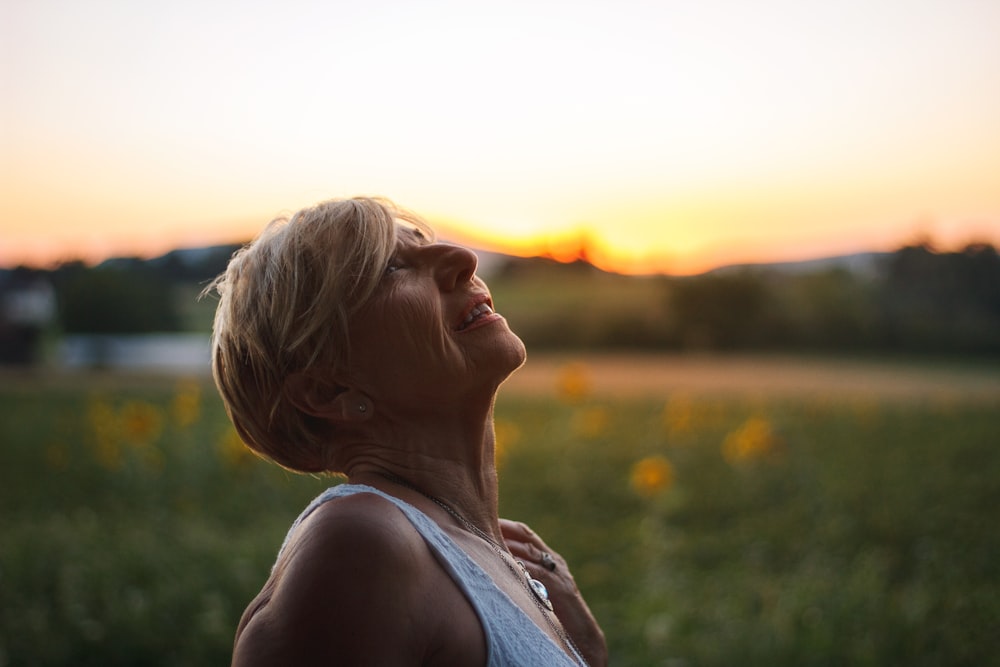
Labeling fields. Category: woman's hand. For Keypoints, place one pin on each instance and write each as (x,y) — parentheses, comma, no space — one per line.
(550,568)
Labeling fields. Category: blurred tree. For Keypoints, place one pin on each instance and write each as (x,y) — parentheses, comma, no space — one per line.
(126,297)
(720,311)
(949,302)
(834,309)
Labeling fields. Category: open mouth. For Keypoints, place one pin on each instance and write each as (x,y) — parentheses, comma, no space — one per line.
(479,312)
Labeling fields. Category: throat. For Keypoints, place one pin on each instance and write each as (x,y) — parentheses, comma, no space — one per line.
(478,523)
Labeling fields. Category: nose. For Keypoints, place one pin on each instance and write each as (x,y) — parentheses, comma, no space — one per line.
(454,266)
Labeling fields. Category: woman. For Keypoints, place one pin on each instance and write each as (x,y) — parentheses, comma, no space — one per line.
(348,341)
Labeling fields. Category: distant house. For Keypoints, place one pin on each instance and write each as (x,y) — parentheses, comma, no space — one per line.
(27,307)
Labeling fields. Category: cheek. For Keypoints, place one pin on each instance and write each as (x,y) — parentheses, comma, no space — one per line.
(406,330)
(418,328)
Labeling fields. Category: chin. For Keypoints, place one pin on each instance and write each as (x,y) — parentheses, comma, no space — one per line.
(514,352)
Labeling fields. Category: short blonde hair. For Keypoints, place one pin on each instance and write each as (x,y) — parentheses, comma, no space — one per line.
(285,305)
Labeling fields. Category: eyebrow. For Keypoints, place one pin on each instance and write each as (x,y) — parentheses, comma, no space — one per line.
(413,232)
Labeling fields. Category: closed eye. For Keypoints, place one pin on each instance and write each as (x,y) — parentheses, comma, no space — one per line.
(394,265)
(407,238)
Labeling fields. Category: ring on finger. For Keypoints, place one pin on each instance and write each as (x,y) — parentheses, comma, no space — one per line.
(548,562)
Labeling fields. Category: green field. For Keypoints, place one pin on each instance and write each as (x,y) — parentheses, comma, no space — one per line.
(704,529)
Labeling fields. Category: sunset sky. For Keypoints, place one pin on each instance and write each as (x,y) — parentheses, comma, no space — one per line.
(672,136)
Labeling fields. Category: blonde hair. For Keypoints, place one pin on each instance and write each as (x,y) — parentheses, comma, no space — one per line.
(285,304)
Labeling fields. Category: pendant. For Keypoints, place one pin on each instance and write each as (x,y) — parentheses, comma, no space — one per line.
(542,593)
(537,587)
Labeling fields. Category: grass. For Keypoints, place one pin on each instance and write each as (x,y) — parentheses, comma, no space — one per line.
(703,530)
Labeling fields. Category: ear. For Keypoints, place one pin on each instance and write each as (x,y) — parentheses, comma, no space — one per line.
(320,396)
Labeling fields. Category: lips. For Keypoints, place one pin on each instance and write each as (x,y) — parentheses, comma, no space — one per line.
(478,311)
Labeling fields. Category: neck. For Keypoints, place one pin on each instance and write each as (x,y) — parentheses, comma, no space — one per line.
(466,523)
(451,463)
(472,506)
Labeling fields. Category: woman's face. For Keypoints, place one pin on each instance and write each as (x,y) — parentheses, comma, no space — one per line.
(429,333)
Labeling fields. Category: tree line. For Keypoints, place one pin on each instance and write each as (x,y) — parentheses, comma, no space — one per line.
(917,300)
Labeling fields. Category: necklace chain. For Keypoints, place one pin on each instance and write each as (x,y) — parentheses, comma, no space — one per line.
(522,576)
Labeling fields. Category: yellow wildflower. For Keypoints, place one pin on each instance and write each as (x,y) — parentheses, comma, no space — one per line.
(109,454)
(754,439)
(232,450)
(141,422)
(591,422)
(678,415)
(186,405)
(651,476)
(106,430)
(573,382)
(103,422)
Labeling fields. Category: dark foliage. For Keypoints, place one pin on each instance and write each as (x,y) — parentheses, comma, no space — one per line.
(951,301)
(126,297)
(916,300)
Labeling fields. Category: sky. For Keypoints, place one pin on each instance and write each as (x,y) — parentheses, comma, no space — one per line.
(666,136)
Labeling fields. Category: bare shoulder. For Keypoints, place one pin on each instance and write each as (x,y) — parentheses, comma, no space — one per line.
(350,588)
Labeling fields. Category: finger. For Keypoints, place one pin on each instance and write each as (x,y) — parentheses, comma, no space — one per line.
(521,532)
(560,581)
(523,550)
(521,540)
(516,530)
(530,552)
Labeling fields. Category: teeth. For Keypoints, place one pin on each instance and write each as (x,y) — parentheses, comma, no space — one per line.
(478,311)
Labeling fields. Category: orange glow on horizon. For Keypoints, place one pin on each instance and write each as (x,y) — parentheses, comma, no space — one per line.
(584,244)
(633,229)
(673,248)
(92,245)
